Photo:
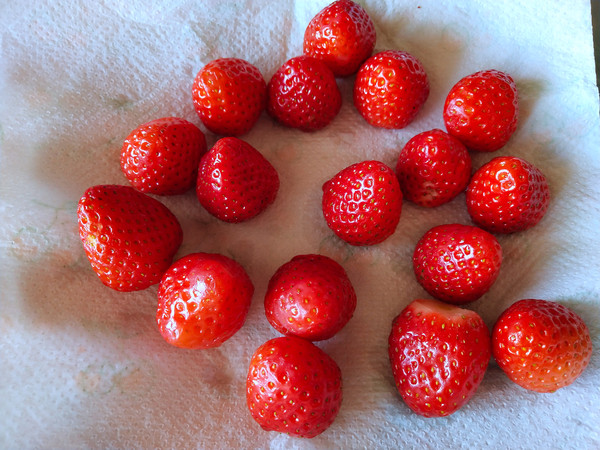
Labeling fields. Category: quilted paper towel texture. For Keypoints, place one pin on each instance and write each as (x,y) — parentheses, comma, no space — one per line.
(84,366)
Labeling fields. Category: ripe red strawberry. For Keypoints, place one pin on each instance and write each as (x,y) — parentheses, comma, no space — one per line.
(433,168)
(482,110)
(229,95)
(342,35)
(310,297)
(293,387)
(439,354)
(303,94)
(161,157)
(203,300)
(362,203)
(129,238)
(507,194)
(457,263)
(390,89)
(541,345)
(235,181)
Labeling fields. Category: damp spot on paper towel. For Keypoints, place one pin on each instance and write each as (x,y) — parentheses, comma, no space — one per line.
(101,379)
(121,102)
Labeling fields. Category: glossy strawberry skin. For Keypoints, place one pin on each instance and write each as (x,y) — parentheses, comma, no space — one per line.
(161,157)
(362,203)
(310,297)
(235,181)
(508,194)
(541,345)
(433,168)
(482,110)
(229,95)
(390,89)
(203,300)
(457,263)
(129,238)
(293,387)
(439,354)
(303,94)
(342,35)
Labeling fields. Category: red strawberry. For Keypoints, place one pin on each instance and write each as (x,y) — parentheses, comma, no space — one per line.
(390,89)
(310,297)
(482,110)
(161,157)
(203,300)
(507,194)
(341,35)
(129,237)
(541,345)
(303,94)
(235,181)
(457,263)
(362,203)
(433,168)
(439,354)
(293,387)
(229,95)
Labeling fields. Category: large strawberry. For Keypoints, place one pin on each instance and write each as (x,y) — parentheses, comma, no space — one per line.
(482,110)
(293,387)
(235,181)
(161,157)
(541,345)
(390,89)
(229,95)
(439,354)
(362,203)
(310,297)
(342,35)
(129,238)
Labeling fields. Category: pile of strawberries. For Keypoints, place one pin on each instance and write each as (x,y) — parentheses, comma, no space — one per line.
(438,351)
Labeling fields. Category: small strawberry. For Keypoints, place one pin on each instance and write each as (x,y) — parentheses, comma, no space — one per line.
(203,300)
(229,95)
(457,263)
(303,94)
(541,345)
(293,387)
(507,194)
(235,181)
(433,168)
(482,109)
(310,297)
(362,203)
(390,89)
(439,354)
(129,238)
(342,35)
(161,157)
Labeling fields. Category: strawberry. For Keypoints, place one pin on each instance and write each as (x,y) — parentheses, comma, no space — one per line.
(541,345)
(482,110)
(235,181)
(293,387)
(203,300)
(129,238)
(310,297)
(457,263)
(342,35)
(303,94)
(229,95)
(433,168)
(507,194)
(439,354)
(390,89)
(362,203)
(161,157)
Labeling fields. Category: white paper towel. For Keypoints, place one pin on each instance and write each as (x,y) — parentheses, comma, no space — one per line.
(83,366)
